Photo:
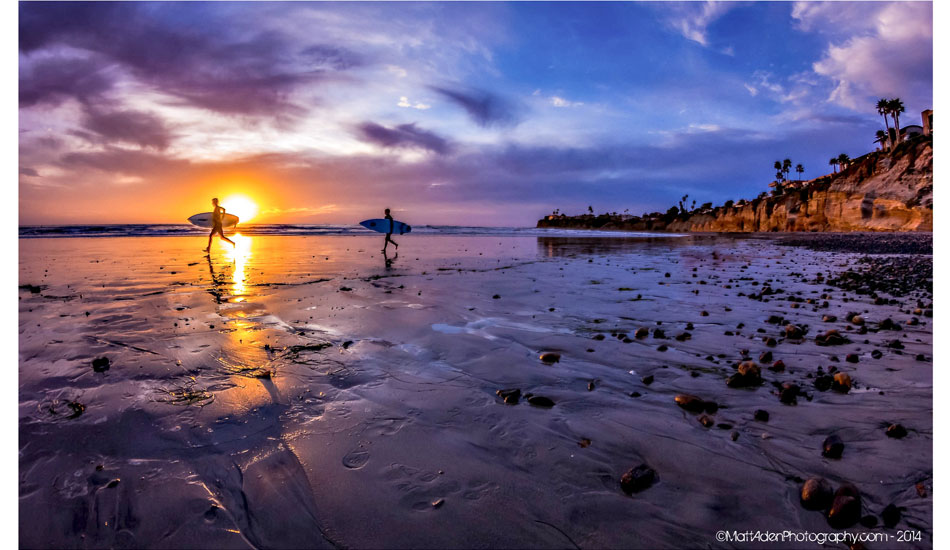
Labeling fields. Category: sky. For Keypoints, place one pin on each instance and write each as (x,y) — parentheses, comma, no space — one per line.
(448,113)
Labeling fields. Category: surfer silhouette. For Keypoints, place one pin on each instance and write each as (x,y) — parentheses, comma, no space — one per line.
(389,234)
(217,224)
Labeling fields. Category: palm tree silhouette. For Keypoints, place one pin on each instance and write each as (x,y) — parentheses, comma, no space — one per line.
(834,162)
(778,168)
(896,107)
(884,109)
(881,138)
(786,167)
(843,161)
(801,170)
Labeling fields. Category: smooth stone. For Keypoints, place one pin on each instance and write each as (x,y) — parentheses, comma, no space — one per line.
(891,515)
(648,379)
(816,494)
(540,401)
(510,396)
(706,421)
(100,364)
(550,357)
(690,403)
(832,447)
(842,382)
(761,415)
(778,366)
(638,479)
(845,507)
(896,431)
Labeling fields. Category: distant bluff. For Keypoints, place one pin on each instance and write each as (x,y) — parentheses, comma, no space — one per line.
(881,191)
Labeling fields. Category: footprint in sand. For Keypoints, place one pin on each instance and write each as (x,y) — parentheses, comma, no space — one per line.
(355,459)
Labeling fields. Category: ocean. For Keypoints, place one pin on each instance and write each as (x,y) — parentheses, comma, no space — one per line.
(188,230)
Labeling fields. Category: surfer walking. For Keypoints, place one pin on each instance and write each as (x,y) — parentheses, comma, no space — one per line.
(389,234)
(217,224)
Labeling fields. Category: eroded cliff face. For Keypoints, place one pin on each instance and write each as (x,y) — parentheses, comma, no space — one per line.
(881,191)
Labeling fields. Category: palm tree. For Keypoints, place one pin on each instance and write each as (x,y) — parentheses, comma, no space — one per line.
(786,167)
(896,107)
(884,109)
(843,161)
(834,162)
(801,170)
(881,138)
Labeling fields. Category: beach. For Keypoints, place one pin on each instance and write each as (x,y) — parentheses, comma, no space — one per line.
(304,392)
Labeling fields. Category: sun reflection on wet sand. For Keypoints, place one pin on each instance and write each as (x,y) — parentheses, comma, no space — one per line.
(239,254)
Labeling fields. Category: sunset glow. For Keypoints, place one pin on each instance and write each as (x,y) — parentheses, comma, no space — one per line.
(456,114)
(242,207)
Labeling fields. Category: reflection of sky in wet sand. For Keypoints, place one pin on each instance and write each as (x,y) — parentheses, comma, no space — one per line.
(381,398)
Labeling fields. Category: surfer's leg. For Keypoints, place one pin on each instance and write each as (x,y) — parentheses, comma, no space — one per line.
(208,249)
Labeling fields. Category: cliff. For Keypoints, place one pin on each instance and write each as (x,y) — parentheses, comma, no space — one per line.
(881,191)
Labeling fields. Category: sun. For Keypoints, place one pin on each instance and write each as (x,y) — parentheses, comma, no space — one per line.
(242,207)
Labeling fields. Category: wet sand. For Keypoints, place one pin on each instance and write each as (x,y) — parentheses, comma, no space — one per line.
(299,392)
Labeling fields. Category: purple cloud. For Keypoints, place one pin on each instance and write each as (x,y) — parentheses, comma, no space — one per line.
(51,81)
(485,108)
(404,136)
(250,74)
(142,129)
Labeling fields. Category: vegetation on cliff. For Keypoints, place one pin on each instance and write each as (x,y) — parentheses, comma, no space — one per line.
(880,191)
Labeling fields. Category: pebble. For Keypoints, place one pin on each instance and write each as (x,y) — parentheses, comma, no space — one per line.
(748,375)
(510,396)
(690,403)
(852,358)
(845,507)
(832,447)
(789,393)
(641,332)
(778,366)
(648,379)
(831,338)
(638,479)
(550,357)
(842,382)
(706,421)
(761,415)
(794,332)
(100,364)
(896,431)
(891,515)
(539,400)
(816,494)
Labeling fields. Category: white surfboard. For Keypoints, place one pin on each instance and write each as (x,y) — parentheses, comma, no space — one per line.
(382,225)
(204,220)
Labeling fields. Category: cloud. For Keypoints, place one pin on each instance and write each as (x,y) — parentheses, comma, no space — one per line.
(888,50)
(51,81)
(27,171)
(485,108)
(244,73)
(693,19)
(558,101)
(405,103)
(127,126)
(403,136)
